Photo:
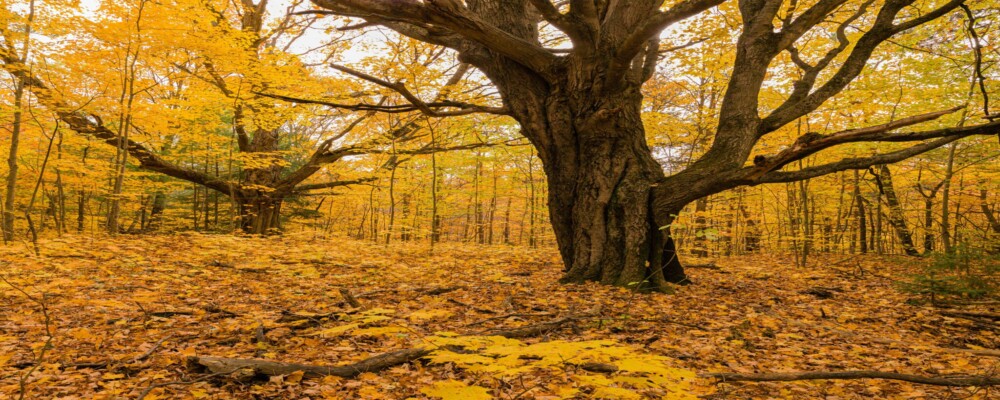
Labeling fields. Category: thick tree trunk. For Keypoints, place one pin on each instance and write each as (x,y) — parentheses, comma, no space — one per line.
(601,175)
(259,213)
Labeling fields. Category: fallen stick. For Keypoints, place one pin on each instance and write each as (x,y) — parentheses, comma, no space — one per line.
(271,368)
(963,314)
(710,265)
(880,340)
(168,314)
(349,298)
(288,316)
(798,376)
(439,290)
(534,330)
(374,364)
(103,364)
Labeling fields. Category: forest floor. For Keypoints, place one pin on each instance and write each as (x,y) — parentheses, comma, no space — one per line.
(128,317)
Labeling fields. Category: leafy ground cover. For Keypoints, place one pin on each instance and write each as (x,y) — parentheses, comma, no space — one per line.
(128,317)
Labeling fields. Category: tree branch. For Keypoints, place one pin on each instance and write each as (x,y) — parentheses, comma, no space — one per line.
(635,43)
(812,143)
(328,185)
(91,124)
(854,163)
(463,108)
(453,17)
(882,29)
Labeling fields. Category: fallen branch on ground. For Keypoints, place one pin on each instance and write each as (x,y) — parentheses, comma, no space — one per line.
(880,340)
(961,381)
(704,266)
(963,314)
(535,330)
(438,290)
(271,368)
(150,388)
(104,364)
(349,298)
(374,364)
(470,306)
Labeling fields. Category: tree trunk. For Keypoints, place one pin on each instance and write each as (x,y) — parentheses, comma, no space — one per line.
(946,200)
(896,217)
(155,220)
(862,226)
(259,212)
(15,133)
(599,169)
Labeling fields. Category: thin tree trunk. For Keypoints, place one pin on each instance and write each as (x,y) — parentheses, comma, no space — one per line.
(15,138)
(896,217)
(946,201)
(862,215)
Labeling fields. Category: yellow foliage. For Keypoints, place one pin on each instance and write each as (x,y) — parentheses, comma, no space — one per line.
(456,390)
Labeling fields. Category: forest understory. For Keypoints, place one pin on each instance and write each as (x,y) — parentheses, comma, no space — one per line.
(142,317)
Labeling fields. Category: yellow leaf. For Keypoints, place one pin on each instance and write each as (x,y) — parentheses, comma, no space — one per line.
(294,377)
(608,392)
(337,330)
(456,390)
(110,376)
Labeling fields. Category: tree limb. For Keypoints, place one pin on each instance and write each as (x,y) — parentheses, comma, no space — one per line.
(812,143)
(91,124)
(271,368)
(855,163)
(635,43)
(453,17)
(328,185)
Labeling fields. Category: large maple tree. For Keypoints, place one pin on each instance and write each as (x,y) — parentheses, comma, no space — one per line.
(580,105)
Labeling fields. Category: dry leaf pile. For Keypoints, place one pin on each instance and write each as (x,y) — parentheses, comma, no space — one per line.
(133,317)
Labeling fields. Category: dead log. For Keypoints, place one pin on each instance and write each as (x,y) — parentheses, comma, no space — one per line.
(272,368)
(960,381)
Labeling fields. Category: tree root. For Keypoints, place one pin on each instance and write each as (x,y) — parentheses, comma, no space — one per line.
(961,381)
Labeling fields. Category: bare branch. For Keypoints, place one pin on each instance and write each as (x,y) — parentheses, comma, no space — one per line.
(330,185)
(635,43)
(881,30)
(813,142)
(857,163)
